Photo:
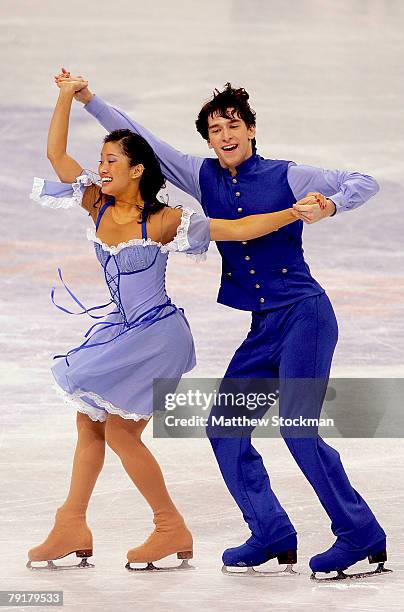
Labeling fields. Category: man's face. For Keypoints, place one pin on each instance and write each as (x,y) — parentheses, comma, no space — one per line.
(230,139)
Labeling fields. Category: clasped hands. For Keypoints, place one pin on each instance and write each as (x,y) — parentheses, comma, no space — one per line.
(77,85)
(314,207)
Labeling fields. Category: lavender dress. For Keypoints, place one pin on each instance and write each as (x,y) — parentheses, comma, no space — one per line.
(144,336)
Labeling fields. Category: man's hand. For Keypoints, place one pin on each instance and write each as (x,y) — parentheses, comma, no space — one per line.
(72,86)
(314,207)
(83,94)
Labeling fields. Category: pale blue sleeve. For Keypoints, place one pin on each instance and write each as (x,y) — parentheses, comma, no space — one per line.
(192,237)
(55,194)
(180,169)
(348,190)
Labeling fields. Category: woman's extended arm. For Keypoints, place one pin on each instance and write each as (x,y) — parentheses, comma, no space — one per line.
(65,166)
(252,226)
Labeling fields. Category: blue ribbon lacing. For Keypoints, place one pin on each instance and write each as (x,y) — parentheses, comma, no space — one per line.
(149,317)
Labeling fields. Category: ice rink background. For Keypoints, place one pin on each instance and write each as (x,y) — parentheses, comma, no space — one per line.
(325,79)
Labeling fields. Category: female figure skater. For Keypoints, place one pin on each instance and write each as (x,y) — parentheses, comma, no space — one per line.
(109,377)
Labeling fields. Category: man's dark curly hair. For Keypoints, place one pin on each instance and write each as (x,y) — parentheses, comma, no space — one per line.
(236,99)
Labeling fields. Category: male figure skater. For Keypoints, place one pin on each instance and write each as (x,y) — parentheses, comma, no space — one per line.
(294,330)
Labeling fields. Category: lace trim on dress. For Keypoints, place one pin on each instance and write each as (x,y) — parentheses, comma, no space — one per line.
(179,243)
(63,202)
(91,235)
(75,400)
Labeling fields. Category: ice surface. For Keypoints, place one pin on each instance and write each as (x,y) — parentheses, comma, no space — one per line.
(325,79)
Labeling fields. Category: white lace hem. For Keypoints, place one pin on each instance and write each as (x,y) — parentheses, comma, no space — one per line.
(75,401)
(179,243)
(63,202)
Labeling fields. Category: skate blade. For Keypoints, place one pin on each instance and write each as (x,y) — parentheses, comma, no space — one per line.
(51,566)
(150,567)
(341,575)
(242,572)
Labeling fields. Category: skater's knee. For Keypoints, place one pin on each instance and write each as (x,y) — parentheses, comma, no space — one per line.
(113,433)
(298,446)
(86,425)
(329,454)
(119,432)
(305,449)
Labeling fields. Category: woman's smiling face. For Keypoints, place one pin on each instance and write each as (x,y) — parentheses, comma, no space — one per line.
(114,170)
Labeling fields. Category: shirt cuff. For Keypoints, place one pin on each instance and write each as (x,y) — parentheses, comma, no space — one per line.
(338,199)
(95,106)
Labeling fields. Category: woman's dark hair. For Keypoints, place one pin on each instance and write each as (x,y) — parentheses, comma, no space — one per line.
(236,99)
(138,150)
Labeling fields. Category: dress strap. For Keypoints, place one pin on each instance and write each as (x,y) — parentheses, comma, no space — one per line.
(101,212)
(144,228)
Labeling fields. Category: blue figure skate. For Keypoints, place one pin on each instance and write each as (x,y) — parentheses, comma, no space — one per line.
(253,553)
(341,555)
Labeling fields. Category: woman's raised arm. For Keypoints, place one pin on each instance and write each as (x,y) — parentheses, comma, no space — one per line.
(65,166)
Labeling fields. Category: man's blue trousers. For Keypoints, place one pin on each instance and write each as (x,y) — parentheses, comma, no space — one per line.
(296,341)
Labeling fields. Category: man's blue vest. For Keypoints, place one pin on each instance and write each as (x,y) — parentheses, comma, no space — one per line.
(268,272)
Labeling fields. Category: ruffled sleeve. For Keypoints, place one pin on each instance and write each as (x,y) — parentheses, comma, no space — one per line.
(192,237)
(55,194)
